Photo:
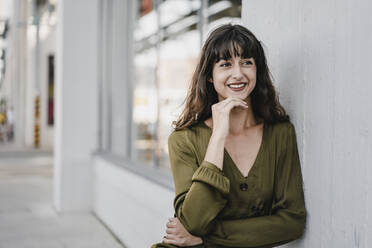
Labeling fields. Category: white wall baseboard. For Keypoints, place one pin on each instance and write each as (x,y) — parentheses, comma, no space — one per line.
(134,208)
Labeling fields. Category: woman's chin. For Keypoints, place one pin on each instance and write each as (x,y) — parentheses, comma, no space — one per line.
(243,97)
(239,96)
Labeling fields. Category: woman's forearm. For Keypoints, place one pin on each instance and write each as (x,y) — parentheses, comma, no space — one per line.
(215,150)
(221,119)
(200,189)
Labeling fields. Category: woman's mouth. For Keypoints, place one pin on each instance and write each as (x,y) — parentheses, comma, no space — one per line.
(237,86)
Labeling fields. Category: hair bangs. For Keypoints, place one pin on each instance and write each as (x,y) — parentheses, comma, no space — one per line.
(234,44)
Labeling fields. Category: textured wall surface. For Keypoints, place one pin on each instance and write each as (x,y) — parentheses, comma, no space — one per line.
(134,208)
(319,53)
(75,103)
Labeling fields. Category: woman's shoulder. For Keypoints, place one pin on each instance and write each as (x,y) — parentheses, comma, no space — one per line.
(191,134)
(282,129)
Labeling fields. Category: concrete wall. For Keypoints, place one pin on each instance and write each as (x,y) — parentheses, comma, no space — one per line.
(319,53)
(133,207)
(121,72)
(76,103)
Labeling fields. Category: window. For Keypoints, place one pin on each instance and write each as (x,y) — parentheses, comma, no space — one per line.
(167,40)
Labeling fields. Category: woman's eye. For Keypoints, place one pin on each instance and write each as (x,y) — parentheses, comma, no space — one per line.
(247,62)
(225,64)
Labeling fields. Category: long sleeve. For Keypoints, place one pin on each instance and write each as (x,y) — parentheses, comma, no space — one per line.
(200,190)
(288,213)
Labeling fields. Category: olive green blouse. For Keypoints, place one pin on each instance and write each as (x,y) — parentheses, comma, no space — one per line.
(226,209)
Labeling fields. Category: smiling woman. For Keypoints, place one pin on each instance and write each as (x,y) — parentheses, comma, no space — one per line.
(237,74)
(234,154)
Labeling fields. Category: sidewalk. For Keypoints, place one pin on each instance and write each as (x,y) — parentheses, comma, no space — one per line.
(27,216)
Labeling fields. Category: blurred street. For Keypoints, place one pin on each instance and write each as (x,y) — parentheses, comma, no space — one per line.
(27,216)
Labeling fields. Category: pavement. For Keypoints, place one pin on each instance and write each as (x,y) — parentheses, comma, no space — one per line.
(27,216)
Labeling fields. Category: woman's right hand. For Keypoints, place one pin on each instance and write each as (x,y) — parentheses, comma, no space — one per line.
(221,122)
(221,115)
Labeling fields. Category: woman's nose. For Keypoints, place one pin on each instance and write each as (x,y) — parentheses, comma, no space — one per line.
(236,72)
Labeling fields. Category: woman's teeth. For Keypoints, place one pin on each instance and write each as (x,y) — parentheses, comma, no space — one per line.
(236,85)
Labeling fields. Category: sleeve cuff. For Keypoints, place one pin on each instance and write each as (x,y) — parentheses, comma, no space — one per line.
(210,174)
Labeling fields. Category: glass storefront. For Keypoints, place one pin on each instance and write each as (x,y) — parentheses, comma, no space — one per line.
(168,37)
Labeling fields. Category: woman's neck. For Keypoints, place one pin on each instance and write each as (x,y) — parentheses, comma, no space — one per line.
(240,120)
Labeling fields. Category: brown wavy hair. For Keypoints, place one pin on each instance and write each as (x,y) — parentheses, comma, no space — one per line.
(222,43)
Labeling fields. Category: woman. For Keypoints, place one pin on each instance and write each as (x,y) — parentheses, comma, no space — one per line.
(234,154)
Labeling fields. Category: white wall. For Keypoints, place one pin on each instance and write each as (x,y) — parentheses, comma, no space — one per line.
(319,53)
(133,207)
(115,75)
(121,72)
(76,103)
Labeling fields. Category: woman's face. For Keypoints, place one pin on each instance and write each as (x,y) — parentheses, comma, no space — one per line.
(235,77)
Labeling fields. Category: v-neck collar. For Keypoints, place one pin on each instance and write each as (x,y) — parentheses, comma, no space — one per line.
(260,150)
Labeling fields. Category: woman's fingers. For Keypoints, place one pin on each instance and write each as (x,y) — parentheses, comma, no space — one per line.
(172,240)
(231,99)
(237,100)
(177,235)
(170,236)
(168,241)
(172,220)
(225,102)
(170,230)
(229,103)
(171,224)
(233,104)
(225,110)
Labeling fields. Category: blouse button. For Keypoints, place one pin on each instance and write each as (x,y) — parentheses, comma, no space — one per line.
(244,186)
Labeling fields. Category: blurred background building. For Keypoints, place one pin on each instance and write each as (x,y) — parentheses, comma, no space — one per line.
(27,72)
(99,82)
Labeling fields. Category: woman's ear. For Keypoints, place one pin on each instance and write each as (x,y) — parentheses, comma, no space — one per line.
(210,80)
